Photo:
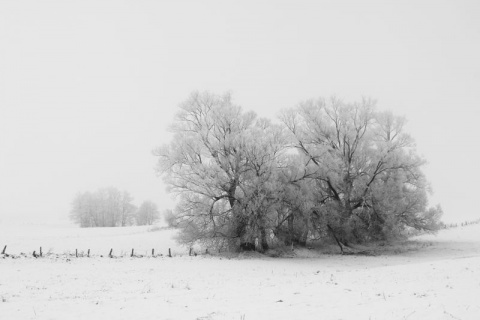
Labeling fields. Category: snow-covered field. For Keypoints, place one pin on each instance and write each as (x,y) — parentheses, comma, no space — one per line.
(439,280)
(60,239)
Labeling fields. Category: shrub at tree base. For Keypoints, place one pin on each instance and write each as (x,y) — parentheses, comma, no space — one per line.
(327,170)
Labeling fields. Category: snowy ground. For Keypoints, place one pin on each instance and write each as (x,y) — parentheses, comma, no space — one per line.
(60,239)
(440,280)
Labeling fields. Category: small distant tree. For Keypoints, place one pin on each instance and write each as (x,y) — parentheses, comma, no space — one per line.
(85,210)
(147,213)
(170,218)
(127,209)
(107,207)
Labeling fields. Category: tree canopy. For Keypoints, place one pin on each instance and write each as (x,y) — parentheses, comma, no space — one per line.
(326,169)
(147,213)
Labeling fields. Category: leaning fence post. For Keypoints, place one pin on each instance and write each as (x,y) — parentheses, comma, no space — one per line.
(110,254)
(34,254)
(4,248)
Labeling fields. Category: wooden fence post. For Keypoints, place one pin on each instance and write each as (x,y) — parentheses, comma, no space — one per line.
(190,252)
(132,253)
(110,254)
(4,248)
(153,252)
(169,253)
(41,253)
(76,253)
(88,253)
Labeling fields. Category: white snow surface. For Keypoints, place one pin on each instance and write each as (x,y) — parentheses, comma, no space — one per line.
(440,279)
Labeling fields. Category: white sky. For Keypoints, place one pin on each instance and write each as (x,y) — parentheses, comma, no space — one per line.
(87,88)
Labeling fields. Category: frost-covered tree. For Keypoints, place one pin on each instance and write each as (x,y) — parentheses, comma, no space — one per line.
(107,207)
(336,169)
(127,209)
(147,213)
(261,185)
(84,210)
(296,201)
(368,179)
(221,165)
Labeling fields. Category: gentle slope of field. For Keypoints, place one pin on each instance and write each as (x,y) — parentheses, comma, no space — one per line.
(440,280)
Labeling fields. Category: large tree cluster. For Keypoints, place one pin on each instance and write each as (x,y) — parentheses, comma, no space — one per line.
(325,169)
(110,207)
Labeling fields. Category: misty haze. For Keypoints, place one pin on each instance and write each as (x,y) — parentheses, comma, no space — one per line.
(239,160)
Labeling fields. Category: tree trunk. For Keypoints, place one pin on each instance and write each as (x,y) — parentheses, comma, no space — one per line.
(247,246)
(263,239)
(335,237)
(302,240)
(291,231)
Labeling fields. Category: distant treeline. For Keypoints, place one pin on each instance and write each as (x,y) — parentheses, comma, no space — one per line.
(462,224)
(110,207)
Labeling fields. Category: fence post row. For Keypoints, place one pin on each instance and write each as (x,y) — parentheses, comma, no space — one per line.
(110,254)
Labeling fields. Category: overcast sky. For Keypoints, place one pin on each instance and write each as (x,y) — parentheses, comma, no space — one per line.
(88,88)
